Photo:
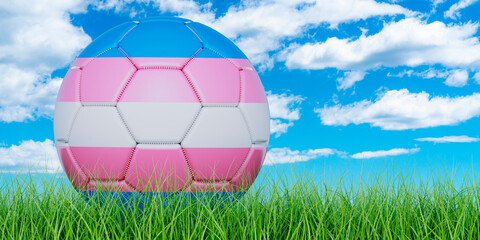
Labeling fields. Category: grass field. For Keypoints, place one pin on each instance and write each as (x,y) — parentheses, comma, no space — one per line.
(390,206)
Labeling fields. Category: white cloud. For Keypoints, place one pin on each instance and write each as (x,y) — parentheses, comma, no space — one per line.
(30,156)
(457,78)
(349,79)
(448,139)
(477,77)
(284,110)
(265,24)
(25,95)
(36,38)
(454,11)
(408,42)
(384,153)
(278,127)
(453,78)
(437,2)
(400,110)
(286,155)
(427,74)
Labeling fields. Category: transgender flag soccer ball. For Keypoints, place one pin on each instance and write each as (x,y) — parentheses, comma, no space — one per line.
(162,105)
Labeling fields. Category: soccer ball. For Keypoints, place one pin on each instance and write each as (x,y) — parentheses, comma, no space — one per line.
(162,105)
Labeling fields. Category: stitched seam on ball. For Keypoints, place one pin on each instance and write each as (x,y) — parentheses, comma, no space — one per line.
(192,86)
(98,104)
(124,35)
(124,88)
(130,159)
(250,131)
(183,149)
(122,51)
(203,46)
(221,105)
(191,125)
(188,164)
(241,166)
(78,166)
(221,55)
(91,60)
(112,182)
(81,73)
(128,58)
(73,122)
(130,186)
(159,143)
(188,185)
(196,35)
(126,126)
(160,67)
(191,58)
(80,85)
(241,84)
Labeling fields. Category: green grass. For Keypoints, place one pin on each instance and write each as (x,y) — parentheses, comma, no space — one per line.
(390,206)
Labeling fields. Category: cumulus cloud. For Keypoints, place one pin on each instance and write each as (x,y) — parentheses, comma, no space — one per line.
(30,156)
(36,38)
(265,24)
(458,78)
(408,42)
(400,110)
(384,153)
(349,79)
(449,139)
(454,11)
(286,155)
(284,110)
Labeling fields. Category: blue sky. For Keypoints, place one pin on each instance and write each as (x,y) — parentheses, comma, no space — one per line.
(351,83)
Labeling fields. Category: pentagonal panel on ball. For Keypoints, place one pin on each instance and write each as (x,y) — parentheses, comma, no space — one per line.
(158,168)
(101,143)
(160,43)
(217,143)
(104,77)
(159,106)
(217,80)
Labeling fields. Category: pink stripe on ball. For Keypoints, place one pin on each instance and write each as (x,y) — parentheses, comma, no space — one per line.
(159,85)
(217,80)
(158,170)
(215,163)
(103,79)
(250,169)
(109,186)
(252,88)
(209,187)
(69,91)
(103,163)
(74,173)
